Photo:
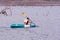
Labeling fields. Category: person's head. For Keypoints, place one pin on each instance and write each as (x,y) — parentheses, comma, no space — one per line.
(27,18)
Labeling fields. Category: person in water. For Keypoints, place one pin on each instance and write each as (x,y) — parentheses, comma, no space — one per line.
(27,22)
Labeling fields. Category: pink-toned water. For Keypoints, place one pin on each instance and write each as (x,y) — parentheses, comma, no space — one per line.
(47,17)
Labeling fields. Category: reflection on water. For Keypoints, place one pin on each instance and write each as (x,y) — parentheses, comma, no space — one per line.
(30,34)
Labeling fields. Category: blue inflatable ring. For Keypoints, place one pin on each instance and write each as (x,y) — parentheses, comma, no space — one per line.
(21,25)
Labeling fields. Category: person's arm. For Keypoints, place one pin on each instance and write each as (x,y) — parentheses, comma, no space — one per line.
(25,21)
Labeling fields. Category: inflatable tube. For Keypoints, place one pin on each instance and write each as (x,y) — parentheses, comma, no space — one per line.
(32,25)
(21,26)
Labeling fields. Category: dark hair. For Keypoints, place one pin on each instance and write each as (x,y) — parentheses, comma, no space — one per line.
(27,21)
(27,18)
